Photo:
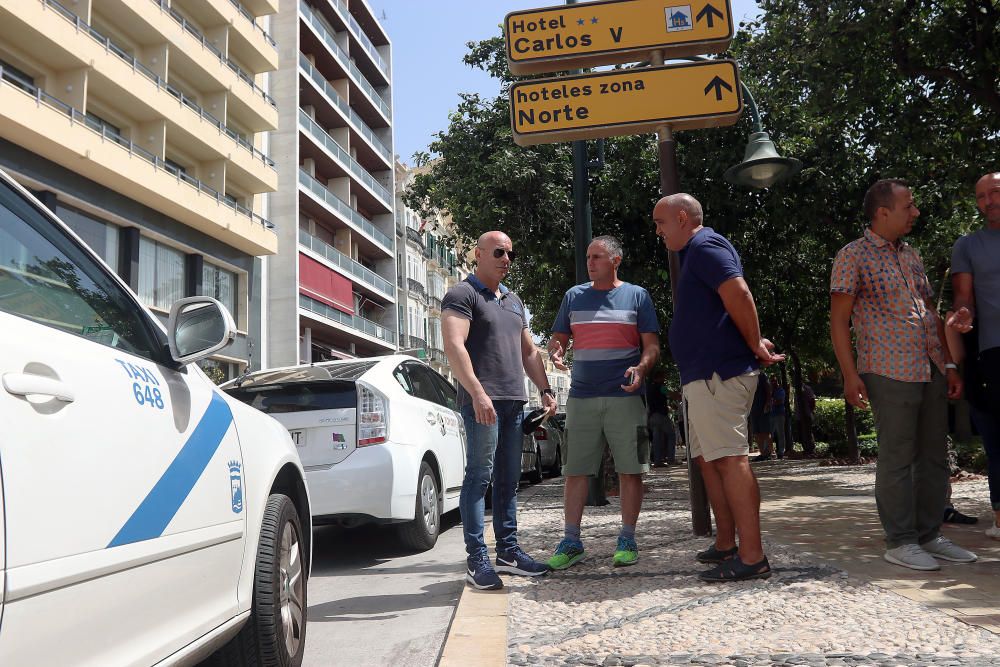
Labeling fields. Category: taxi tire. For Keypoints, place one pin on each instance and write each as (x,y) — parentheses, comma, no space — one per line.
(414,534)
(260,642)
(535,476)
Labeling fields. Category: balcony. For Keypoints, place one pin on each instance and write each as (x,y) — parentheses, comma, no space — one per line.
(438,356)
(415,287)
(355,322)
(434,303)
(322,30)
(360,273)
(319,135)
(412,342)
(340,7)
(95,151)
(350,115)
(253,21)
(415,236)
(352,218)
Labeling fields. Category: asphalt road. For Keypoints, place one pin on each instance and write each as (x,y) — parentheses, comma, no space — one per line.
(373,603)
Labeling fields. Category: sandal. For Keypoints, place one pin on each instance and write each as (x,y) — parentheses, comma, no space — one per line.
(735,569)
(952,515)
(712,555)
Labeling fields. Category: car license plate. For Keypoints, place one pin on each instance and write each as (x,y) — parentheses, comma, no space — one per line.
(297,438)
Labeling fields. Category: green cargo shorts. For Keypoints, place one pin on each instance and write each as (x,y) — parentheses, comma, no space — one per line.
(592,423)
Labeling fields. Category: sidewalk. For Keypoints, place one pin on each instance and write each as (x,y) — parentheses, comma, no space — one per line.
(831,600)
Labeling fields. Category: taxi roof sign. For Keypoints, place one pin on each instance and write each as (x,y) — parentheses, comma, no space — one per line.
(608,104)
(608,32)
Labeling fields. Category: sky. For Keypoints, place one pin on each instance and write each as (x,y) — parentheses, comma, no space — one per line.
(428,43)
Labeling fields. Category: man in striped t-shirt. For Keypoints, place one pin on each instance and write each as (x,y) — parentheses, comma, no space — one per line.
(615,344)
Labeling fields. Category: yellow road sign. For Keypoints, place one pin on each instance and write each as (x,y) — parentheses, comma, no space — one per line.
(614,31)
(609,104)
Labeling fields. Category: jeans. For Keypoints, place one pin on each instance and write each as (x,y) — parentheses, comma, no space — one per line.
(778,429)
(491,451)
(988,426)
(911,475)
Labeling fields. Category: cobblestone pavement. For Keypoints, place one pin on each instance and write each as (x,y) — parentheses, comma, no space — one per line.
(811,611)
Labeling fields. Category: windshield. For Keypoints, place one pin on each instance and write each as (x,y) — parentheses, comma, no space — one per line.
(298,396)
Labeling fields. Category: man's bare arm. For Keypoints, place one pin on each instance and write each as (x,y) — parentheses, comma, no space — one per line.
(841,306)
(738,300)
(455,331)
(531,359)
(964,302)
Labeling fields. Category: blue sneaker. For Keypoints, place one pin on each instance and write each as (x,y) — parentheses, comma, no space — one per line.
(515,561)
(481,574)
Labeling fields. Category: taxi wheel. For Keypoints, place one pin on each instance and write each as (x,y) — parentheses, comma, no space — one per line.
(535,476)
(275,633)
(421,534)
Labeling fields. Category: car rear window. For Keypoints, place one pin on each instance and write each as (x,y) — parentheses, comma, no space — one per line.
(298,397)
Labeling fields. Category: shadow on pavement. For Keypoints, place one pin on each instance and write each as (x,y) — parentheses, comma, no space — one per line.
(363,608)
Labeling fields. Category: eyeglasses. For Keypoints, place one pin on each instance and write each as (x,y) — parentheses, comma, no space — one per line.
(499,252)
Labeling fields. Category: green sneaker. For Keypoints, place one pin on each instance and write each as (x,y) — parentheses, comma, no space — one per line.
(569,552)
(626,553)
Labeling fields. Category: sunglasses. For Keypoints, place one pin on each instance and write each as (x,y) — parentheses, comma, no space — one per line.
(499,252)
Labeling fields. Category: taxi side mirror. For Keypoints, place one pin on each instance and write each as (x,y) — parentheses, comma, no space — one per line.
(197,327)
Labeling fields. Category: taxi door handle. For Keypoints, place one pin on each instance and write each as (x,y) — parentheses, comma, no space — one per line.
(431,419)
(26,384)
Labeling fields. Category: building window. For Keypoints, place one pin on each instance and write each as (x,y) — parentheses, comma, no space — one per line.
(102,237)
(220,284)
(161,274)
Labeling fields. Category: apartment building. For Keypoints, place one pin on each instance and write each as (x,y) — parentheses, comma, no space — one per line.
(143,124)
(427,267)
(331,287)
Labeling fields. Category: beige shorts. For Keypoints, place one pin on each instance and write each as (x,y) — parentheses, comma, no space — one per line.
(717,415)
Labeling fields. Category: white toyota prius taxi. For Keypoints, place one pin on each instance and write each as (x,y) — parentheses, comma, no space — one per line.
(381,439)
(147,517)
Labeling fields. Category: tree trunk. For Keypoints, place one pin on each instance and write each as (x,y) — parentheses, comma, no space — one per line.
(852,434)
(805,418)
(787,423)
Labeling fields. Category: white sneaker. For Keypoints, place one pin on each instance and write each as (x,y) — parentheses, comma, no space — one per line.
(942,547)
(993,531)
(911,556)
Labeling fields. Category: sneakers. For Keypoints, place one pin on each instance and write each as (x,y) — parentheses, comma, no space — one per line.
(993,531)
(481,575)
(626,553)
(911,556)
(515,561)
(569,552)
(943,548)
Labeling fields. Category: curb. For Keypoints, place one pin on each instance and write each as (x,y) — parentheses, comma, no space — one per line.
(478,632)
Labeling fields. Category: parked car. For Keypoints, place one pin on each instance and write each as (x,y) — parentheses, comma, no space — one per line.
(380,439)
(147,518)
(541,451)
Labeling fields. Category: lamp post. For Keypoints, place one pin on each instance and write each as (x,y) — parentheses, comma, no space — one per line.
(762,167)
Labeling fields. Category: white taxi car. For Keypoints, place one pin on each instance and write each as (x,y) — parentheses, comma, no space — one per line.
(147,518)
(381,439)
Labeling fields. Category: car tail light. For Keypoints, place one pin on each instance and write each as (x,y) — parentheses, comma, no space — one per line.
(373,416)
(540,434)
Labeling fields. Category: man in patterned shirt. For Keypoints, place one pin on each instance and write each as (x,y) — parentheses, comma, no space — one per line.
(879,286)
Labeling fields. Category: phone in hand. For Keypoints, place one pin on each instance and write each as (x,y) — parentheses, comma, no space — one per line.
(632,376)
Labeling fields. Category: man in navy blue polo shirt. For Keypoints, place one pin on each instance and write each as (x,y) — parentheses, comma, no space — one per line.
(715,341)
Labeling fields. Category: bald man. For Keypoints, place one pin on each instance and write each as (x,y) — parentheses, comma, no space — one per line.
(716,343)
(975,276)
(489,349)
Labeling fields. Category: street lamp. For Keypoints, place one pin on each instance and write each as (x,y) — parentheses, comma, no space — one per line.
(762,167)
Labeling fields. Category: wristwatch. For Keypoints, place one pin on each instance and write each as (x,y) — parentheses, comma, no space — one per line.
(549,392)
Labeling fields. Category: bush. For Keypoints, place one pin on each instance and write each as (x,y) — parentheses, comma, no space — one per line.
(971,455)
(830,422)
(867,446)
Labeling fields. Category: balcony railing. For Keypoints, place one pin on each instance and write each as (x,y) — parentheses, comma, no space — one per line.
(137,66)
(434,303)
(354,321)
(345,14)
(415,236)
(354,219)
(352,116)
(438,356)
(412,342)
(164,6)
(323,31)
(362,273)
(415,286)
(325,140)
(250,17)
(108,134)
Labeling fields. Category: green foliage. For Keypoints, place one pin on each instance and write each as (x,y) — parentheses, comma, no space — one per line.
(970,455)
(867,447)
(830,425)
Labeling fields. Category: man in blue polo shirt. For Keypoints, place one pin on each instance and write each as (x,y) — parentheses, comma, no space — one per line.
(715,341)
